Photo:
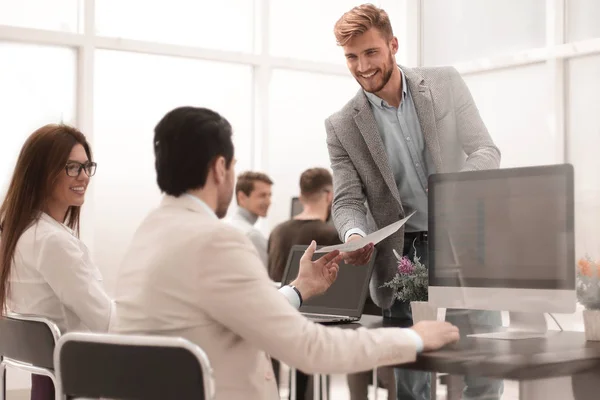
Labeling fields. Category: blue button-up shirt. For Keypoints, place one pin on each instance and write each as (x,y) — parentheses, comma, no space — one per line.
(408,156)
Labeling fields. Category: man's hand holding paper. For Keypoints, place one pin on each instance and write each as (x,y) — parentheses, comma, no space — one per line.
(360,256)
(358,250)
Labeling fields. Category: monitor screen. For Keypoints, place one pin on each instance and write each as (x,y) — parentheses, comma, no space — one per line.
(346,296)
(296,207)
(507,228)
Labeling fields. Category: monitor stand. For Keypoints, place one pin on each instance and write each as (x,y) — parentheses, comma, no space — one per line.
(523,325)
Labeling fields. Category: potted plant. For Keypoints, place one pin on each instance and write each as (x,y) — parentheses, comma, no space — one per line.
(588,295)
(411,284)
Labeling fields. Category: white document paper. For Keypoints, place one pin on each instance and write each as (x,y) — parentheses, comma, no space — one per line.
(374,238)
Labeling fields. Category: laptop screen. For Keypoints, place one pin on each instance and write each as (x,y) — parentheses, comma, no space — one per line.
(345,297)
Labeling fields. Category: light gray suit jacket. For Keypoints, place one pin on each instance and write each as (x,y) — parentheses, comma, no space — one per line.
(454,134)
(187,274)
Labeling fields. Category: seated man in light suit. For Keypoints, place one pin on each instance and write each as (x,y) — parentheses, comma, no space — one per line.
(187,274)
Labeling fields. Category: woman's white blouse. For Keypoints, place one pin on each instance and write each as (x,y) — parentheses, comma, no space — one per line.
(53,276)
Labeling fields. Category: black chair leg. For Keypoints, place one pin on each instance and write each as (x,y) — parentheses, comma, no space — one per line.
(2,380)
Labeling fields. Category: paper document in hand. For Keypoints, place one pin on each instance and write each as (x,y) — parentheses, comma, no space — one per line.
(374,238)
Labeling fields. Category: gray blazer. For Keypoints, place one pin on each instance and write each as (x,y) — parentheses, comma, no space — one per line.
(454,134)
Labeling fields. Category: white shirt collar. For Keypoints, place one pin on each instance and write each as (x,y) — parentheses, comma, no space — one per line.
(55,223)
(198,200)
(246,215)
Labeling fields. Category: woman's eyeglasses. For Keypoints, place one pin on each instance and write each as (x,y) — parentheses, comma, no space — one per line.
(74,168)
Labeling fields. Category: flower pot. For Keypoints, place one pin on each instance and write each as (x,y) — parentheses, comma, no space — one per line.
(591,322)
(423,311)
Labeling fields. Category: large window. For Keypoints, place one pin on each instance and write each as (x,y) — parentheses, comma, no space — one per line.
(518,120)
(223,24)
(37,87)
(463,30)
(304,29)
(583,129)
(59,15)
(299,104)
(132,93)
(582,19)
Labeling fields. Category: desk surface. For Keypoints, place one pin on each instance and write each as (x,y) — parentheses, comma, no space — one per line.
(560,354)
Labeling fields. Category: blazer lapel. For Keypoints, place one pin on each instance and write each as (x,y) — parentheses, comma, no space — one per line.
(421,96)
(365,120)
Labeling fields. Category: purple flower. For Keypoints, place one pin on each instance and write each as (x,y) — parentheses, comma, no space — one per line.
(405,266)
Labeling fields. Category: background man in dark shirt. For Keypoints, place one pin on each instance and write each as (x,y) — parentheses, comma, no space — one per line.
(316,196)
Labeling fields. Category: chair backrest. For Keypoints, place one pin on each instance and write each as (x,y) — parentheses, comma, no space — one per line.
(28,340)
(131,367)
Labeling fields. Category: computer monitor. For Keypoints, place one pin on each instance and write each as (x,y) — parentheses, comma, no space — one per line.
(503,240)
(346,296)
(296,207)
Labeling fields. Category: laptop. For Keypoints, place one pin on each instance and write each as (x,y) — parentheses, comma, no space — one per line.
(344,301)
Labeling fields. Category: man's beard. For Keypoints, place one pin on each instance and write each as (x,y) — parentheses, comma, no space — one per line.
(221,211)
(223,204)
(387,75)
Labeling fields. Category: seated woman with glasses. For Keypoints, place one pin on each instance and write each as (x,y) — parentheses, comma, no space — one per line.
(44,268)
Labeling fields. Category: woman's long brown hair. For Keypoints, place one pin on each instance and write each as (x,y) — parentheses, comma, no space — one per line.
(42,158)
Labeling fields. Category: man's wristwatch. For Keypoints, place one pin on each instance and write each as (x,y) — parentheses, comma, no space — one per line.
(298,293)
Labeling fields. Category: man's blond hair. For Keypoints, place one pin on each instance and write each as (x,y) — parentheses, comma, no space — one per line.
(359,20)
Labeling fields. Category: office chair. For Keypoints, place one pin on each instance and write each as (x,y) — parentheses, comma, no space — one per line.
(27,343)
(131,367)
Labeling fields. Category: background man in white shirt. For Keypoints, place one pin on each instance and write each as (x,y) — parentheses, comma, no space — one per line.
(190,275)
(253,196)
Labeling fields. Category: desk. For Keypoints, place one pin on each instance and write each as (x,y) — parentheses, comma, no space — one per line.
(543,367)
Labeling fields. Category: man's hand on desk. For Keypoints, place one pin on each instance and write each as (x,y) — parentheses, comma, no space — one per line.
(436,334)
(360,256)
(315,277)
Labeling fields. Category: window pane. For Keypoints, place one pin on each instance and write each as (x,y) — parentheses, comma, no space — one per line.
(582,19)
(462,30)
(129,102)
(297,31)
(58,15)
(32,95)
(583,128)
(518,121)
(222,25)
(299,104)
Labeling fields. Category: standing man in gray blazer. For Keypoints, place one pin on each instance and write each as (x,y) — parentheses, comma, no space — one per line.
(403,125)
